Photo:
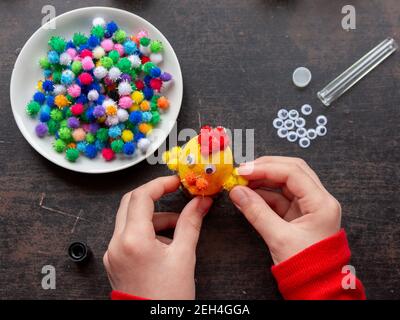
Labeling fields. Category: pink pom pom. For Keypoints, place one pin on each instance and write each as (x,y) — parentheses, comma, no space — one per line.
(125,102)
(71,52)
(107,44)
(107,154)
(120,48)
(77,109)
(85,78)
(87,64)
(77,58)
(79,134)
(86,53)
(86,127)
(74,90)
(142,34)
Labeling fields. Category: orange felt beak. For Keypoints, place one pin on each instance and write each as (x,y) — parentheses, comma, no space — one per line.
(198,181)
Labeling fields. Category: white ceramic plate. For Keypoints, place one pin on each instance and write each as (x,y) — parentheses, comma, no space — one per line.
(27,72)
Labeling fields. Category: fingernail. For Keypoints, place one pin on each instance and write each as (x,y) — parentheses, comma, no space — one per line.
(245,163)
(246,168)
(239,196)
(204,204)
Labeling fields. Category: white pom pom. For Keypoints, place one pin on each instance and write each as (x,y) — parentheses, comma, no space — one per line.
(112,121)
(124,88)
(122,115)
(99,22)
(100,72)
(65,59)
(166,86)
(59,89)
(114,73)
(156,58)
(108,102)
(98,52)
(145,50)
(135,61)
(93,95)
(143,144)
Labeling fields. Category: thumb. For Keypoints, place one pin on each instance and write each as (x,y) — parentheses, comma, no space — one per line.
(257,212)
(187,230)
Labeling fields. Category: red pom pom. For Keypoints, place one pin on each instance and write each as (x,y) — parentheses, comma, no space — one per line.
(145,59)
(85,78)
(139,84)
(77,109)
(107,154)
(155,84)
(212,140)
(86,53)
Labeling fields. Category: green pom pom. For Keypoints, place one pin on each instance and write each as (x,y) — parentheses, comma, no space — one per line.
(32,108)
(148,66)
(53,126)
(64,123)
(117,145)
(59,145)
(102,134)
(144,41)
(79,39)
(120,36)
(107,62)
(133,74)
(72,154)
(44,63)
(130,125)
(57,44)
(155,117)
(65,134)
(90,138)
(98,31)
(124,65)
(57,76)
(68,112)
(114,55)
(156,46)
(56,115)
(76,67)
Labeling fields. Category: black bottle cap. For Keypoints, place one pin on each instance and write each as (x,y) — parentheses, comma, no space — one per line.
(78,252)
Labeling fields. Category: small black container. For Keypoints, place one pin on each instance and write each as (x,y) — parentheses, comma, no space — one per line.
(79,252)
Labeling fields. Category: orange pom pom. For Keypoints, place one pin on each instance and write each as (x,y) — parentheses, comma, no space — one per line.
(111,110)
(201,184)
(145,128)
(162,102)
(145,106)
(61,101)
(191,178)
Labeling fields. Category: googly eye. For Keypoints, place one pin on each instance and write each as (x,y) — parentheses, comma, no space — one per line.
(190,159)
(292,136)
(311,134)
(306,109)
(321,131)
(283,114)
(300,122)
(304,142)
(321,120)
(301,132)
(289,124)
(282,132)
(278,123)
(293,114)
(209,169)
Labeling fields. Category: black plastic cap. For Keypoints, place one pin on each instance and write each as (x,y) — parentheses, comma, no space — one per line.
(78,252)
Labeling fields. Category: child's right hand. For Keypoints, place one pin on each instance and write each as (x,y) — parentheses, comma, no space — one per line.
(302,214)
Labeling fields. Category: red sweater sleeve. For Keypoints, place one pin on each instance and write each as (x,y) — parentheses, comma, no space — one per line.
(118,295)
(316,272)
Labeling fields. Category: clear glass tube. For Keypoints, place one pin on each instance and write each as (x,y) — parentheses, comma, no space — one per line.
(357,71)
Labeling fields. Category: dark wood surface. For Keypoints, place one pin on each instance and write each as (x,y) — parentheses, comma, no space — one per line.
(237,58)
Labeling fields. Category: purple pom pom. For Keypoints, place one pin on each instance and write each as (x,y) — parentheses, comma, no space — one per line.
(73,122)
(99,111)
(93,127)
(41,130)
(166,77)
(126,77)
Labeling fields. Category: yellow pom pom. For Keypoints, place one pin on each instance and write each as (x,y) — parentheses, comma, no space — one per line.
(145,105)
(171,158)
(40,86)
(230,183)
(61,101)
(145,128)
(127,135)
(137,96)
(135,107)
(101,120)
(242,181)
(111,110)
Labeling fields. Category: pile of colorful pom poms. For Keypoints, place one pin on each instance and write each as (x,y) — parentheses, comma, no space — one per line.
(101,93)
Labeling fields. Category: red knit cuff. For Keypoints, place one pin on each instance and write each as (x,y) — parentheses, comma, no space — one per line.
(118,295)
(316,272)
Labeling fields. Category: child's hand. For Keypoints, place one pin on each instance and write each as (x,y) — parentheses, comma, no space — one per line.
(302,214)
(141,263)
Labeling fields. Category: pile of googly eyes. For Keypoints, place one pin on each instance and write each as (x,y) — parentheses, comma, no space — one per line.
(290,124)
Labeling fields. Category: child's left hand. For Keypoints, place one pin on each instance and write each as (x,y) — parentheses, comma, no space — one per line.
(139,262)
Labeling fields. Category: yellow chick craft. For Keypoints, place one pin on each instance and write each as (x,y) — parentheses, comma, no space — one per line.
(205,163)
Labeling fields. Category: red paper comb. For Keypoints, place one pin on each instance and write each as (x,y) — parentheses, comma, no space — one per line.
(212,140)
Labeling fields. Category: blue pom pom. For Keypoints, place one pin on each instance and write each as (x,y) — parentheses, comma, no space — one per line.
(81,146)
(146,116)
(67,77)
(138,136)
(135,117)
(129,148)
(53,57)
(82,99)
(147,80)
(39,97)
(83,47)
(148,93)
(48,86)
(91,151)
(111,27)
(50,101)
(114,132)
(94,86)
(93,41)
(89,114)
(130,47)
(47,73)
(44,116)
(70,44)
(107,34)
(99,145)
(101,98)
(121,126)
(155,72)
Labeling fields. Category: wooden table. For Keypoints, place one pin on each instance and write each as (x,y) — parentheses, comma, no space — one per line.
(237,58)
